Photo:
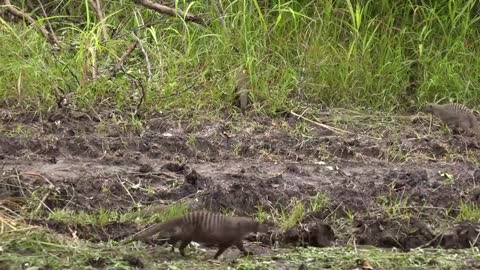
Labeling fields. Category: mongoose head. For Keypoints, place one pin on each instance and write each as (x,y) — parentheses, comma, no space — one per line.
(251,225)
(262,228)
(429,107)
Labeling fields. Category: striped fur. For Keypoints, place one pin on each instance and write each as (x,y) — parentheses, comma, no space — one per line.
(456,116)
(205,227)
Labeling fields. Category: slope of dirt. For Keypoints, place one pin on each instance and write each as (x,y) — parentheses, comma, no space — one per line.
(397,187)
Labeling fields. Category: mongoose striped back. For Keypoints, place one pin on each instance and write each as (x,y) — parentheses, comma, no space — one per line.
(458,108)
(454,108)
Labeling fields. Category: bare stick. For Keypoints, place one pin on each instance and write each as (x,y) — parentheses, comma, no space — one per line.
(219,14)
(42,202)
(18,13)
(334,129)
(95,73)
(52,33)
(126,189)
(41,176)
(169,11)
(149,67)
(101,17)
(122,59)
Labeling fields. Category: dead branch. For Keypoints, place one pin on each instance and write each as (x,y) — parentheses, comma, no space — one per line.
(149,67)
(101,17)
(122,59)
(169,11)
(95,73)
(219,13)
(51,185)
(18,13)
(334,129)
(142,98)
(42,203)
(52,33)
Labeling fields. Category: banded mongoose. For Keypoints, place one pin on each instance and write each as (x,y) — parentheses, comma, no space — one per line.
(242,81)
(456,116)
(205,227)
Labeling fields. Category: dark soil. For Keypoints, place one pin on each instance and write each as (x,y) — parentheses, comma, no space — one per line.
(387,188)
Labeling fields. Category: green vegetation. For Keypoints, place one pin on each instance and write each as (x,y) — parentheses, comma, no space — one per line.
(296,211)
(387,55)
(468,211)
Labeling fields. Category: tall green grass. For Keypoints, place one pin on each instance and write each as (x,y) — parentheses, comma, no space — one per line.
(384,55)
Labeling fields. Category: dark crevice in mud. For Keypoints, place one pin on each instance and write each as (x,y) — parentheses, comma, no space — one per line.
(400,233)
(314,234)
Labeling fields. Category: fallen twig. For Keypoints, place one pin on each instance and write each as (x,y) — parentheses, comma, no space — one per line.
(219,13)
(334,129)
(18,13)
(52,33)
(126,189)
(6,221)
(42,202)
(41,176)
(101,17)
(169,11)
(122,59)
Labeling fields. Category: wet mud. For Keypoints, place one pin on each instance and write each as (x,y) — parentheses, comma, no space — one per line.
(395,188)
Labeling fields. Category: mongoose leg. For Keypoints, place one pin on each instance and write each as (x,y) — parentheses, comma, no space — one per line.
(466,128)
(221,249)
(453,127)
(172,241)
(183,245)
(239,245)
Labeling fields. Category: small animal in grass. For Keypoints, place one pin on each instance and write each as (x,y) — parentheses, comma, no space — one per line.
(205,227)
(456,116)
(242,81)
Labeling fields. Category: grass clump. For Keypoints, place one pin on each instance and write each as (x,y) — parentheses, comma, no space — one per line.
(295,212)
(468,212)
(387,55)
(395,206)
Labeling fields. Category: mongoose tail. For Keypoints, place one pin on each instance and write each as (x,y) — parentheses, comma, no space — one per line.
(154,229)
